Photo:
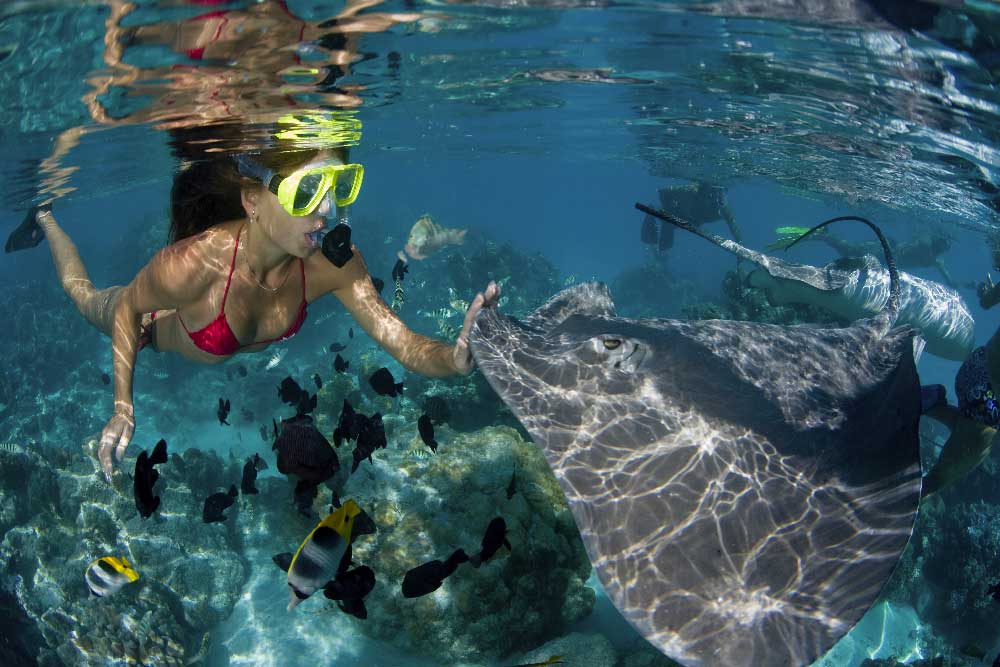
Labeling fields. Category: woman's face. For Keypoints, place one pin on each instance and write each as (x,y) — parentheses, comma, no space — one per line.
(290,232)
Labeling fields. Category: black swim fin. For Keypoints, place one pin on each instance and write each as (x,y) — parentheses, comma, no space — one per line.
(28,234)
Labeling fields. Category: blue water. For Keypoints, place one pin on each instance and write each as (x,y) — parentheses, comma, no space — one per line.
(802,118)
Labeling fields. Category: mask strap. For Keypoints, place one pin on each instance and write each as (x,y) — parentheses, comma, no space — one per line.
(257,171)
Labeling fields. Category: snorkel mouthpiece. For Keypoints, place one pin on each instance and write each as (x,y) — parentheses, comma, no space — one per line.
(317,236)
(337,243)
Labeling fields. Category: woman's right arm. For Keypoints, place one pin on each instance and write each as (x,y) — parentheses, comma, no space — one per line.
(177,276)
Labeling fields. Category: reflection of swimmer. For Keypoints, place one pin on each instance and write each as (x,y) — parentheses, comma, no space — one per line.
(921,252)
(698,203)
(974,423)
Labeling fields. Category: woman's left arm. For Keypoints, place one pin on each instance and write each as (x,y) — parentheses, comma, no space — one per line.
(352,284)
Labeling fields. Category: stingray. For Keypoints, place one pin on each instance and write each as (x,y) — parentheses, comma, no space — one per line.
(857,287)
(743,490)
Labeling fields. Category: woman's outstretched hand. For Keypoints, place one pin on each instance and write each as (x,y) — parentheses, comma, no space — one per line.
(115,436)
(461,354)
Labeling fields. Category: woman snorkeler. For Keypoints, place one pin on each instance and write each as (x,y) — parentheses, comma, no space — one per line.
(239,273)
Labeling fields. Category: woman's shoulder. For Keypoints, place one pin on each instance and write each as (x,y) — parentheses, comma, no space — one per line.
(203,253)
(215,239)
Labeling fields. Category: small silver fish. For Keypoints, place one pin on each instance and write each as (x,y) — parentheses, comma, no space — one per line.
(397,296)
(276,359)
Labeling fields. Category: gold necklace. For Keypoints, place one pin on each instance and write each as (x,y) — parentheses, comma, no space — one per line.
(257,280)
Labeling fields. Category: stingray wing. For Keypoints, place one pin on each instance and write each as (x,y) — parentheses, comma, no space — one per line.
(743,490)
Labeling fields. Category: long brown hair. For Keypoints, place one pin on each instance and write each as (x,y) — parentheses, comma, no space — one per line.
(207,191)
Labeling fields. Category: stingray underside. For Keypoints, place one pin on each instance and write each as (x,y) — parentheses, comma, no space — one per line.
(743,490)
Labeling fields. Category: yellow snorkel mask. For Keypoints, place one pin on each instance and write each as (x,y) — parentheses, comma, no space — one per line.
(301,192)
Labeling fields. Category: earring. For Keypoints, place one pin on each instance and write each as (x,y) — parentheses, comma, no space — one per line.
(253,216)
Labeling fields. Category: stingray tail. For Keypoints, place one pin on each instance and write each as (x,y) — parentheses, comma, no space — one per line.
(891,308)
(726,244)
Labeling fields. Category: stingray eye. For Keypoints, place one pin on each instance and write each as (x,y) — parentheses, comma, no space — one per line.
(612,343)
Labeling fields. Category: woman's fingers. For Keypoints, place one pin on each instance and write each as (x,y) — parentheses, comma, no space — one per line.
(108,439)
(115,439)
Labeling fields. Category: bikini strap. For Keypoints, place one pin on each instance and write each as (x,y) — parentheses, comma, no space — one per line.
(232,267)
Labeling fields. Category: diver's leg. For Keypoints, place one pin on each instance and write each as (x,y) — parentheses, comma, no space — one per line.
(969,444)
(943,413)
(730,219)
(945,275)
(97,306)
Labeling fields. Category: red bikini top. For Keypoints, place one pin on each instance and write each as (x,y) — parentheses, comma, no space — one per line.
(218,338)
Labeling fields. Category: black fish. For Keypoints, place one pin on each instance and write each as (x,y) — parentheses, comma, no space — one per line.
(217,502)
(303,451)
(291,393)
(339,364)
(399,270)
(351,585)
(105,378)
(318,380)
(495,537)
(428,577)
(350,332)
(283,560)
(512,487)
(384,384)
(265,434)
(347,426)
(379,284)
(363,525)
(145,477)
(371,436)
(250,469)
(350,589)
(994,591)
(648,233)
(337,347)
(304,495)
(223,411)
(426,430)
(241,370)
(666,238)
(437,409)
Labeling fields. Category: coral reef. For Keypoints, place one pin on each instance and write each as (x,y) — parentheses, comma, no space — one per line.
(644,655)
(937,661)
(425,507)
(652,290)
(577,649)
(743,302)
(58,518)
(953,558)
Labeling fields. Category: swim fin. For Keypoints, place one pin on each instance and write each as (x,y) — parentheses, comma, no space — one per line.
(28,234)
